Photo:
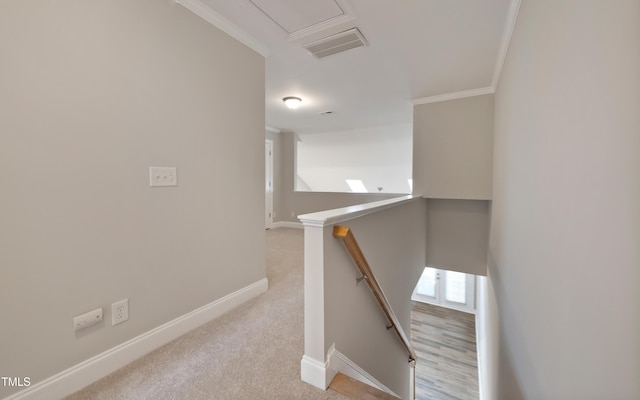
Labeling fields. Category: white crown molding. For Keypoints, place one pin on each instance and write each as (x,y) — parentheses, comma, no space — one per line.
(453,96)
(205,12)
(509,25)
(271,129)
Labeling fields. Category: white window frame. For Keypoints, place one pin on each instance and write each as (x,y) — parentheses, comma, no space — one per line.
(441,290)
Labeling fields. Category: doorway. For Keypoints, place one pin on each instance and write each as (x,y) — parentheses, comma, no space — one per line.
(268,183)
(448,289)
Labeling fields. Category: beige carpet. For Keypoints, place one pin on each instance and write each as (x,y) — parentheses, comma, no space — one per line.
(252,352)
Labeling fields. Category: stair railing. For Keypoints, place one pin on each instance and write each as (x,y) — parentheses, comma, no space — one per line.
(344,233)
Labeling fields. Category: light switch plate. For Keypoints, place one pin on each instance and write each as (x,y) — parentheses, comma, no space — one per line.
(163,176)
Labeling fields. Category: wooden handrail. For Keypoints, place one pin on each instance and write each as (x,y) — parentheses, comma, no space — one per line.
(344,233)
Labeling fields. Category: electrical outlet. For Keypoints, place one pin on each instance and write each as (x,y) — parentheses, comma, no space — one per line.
(119,312)
(87,319)
(293,213)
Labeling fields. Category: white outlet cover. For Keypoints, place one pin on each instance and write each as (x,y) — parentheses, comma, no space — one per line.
(119,312)
(163,176)
(87,319)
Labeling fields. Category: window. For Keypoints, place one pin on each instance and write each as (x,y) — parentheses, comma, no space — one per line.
(455,288)
(356,186)
(446,288)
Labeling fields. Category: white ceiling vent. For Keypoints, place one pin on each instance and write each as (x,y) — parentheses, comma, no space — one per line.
(337,43)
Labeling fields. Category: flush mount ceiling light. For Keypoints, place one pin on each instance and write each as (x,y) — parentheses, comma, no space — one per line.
(292,102)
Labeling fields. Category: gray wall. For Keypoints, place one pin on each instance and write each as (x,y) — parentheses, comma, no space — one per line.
(91,95)
(565,267)
(378,156)
(458,235)
(452,148)
(289,201)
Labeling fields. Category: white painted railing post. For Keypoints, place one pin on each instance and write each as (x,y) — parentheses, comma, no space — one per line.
(314,368)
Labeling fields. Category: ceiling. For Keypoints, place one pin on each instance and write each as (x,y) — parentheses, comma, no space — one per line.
(417,51)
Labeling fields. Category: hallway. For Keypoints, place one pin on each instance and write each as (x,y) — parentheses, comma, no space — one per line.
(445,342)
(251,352)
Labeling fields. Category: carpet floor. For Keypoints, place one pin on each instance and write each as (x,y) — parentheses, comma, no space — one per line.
(251,352)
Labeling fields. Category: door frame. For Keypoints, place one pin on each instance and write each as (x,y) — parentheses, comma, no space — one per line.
(268,186)
(440,288)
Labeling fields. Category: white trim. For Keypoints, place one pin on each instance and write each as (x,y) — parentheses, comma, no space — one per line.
(205,12)
(453,96)
(412,381)
(481,339)
(287,224)
(348,15)
(322,26)
(315,373)
(268,222)
(330,217)
(271,129)
(440,289)
(509,25)
(101,365)
(338,362)
(331,364)
(314,368)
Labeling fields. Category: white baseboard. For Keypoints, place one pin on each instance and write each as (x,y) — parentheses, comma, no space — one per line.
(338,362)
(315,373)
(320,374)
(287,224)
(89,371)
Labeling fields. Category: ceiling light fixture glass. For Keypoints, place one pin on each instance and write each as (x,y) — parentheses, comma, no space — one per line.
(292,102)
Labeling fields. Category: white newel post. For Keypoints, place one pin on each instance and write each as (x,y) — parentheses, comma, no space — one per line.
(314,368)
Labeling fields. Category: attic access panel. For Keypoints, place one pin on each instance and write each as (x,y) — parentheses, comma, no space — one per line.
(295,15)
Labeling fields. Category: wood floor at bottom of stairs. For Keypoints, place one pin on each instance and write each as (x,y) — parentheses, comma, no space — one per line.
(355,389)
